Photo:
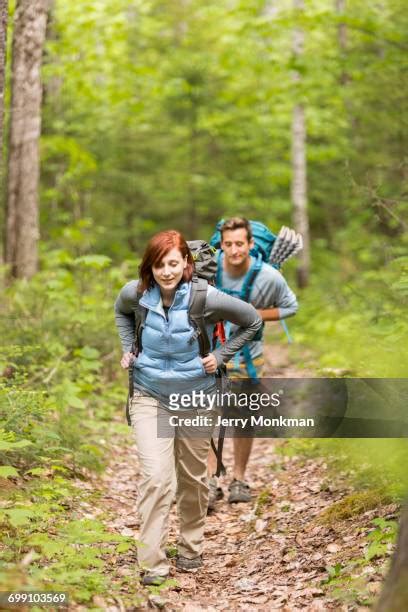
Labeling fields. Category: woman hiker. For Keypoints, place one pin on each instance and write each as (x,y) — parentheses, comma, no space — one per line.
(170,359)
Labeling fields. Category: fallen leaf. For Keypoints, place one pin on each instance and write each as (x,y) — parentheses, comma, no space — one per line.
(260,525)
(126,532)
(333,548)
(262,599)
(245,584)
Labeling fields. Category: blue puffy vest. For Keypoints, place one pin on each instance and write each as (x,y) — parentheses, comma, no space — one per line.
(170,351)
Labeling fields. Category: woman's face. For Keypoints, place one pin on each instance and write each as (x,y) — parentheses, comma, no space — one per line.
(168,272)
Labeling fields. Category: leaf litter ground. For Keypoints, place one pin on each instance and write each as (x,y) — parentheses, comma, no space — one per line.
(270,554)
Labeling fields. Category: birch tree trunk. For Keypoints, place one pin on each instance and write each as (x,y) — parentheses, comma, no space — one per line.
(342,29)
(340,6)
(394,597)
(299,180)
(3,52)
(22,219)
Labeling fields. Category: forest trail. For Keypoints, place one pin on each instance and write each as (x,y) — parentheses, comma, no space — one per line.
(270,554)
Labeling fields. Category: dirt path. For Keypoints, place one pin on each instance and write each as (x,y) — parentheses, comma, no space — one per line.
(270,554)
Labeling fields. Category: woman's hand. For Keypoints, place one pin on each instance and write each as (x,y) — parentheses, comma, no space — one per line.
(210,363)
(126,360)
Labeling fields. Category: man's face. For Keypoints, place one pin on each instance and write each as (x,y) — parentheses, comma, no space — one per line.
(236,246)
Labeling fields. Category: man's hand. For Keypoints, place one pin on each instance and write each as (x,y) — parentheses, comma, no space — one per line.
(210,363)
(126,360)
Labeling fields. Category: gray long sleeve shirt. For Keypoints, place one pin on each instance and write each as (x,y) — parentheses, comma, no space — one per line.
(269,290)
(219,306)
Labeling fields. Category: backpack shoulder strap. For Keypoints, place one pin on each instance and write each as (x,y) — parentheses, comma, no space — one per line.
(140,318)
(218,278)
(250,278)
(196,310)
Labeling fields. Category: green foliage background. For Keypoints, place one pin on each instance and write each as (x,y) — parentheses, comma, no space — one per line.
(161,114)
(178,113)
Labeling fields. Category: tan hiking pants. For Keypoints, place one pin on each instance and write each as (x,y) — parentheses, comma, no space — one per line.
(165,461)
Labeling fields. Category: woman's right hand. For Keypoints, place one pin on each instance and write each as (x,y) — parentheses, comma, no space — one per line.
(127,360)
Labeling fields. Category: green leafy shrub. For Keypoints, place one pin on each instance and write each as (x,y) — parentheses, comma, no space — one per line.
(59,392)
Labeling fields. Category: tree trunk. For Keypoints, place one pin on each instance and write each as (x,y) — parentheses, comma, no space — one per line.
(192,220)
(3,51)
(22,223)
(342,30)
(299,183)
(342,38)
(3,54)
(394,597)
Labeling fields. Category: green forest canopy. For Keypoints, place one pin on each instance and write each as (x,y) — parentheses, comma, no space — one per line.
(176,113)
(182,110)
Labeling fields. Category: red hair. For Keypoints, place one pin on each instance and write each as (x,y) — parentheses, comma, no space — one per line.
(157,248)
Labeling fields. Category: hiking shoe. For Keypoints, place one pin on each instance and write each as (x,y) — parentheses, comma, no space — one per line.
(215,493)
(153,580)
(185,564)
(239,492)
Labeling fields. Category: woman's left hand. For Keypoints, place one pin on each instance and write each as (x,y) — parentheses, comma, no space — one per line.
(210,363)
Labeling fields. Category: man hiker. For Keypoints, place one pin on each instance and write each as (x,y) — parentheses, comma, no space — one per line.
(274,300)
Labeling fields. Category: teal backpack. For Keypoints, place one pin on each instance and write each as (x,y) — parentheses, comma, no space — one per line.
(269,248)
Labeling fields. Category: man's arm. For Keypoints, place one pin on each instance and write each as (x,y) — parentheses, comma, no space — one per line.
(269,314)
(275,300)
(220,306)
